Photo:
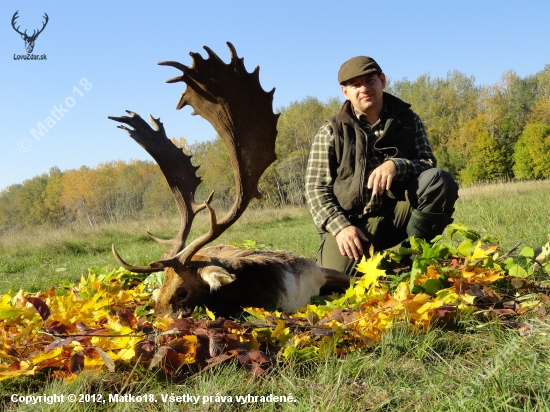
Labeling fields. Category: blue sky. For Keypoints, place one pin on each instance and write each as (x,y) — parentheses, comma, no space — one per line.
(299,46)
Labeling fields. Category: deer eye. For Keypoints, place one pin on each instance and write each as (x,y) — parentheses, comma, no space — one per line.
(182,297)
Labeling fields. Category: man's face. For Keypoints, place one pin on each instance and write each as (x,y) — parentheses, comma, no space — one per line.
(366,93)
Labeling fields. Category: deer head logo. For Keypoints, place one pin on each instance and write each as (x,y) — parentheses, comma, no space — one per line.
(29,40)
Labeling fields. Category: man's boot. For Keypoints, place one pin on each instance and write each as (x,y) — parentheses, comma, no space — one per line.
(427,225)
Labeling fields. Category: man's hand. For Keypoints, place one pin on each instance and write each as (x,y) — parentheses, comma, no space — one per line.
(381,178)
(349,242)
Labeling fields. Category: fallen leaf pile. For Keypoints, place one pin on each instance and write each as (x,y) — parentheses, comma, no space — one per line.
(108,318)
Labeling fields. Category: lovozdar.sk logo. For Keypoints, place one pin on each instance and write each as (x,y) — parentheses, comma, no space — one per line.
(29,40)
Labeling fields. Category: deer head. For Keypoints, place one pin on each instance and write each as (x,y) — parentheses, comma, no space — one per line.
(240,111)
(29,40)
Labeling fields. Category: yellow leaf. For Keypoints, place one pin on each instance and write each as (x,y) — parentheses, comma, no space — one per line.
(402,291)
(327,346)
(162,322)
(126,354)
(9,312)
(281,325)
(43,356)
(468,298)
(482,253)
(257,313)
(371,272)
(91,362)
(321,311)
(8,371)
(209,313)
(417,303)
(70,379)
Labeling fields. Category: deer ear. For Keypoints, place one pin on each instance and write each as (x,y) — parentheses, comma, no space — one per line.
(216,277)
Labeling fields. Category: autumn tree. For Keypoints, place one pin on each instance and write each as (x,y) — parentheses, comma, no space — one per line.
(29,202)
(78,194)
(215,171)
(532,152)
(9,214)
(488,161)
(513,104)
(442,104)
(57,213)
(540,111)
(477,133)
(297,127)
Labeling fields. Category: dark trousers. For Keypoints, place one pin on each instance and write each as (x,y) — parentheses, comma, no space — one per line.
(433,191)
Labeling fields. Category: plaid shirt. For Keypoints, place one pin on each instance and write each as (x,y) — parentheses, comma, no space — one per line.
(321,170)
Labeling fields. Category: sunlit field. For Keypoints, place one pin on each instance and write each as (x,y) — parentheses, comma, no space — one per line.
(467,365)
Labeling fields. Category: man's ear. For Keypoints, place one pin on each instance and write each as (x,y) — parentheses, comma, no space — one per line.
(216,277)
(344,91)
(383,80)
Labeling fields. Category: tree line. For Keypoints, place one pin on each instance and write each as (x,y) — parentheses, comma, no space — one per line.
(478,133)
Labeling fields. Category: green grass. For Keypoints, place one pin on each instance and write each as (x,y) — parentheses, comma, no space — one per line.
(37,259)
(406,370)
(513,211)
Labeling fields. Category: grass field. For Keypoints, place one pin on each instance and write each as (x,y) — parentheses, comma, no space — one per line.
(465,366)
(37,259)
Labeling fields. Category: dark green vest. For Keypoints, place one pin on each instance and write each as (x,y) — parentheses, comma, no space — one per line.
(397,140)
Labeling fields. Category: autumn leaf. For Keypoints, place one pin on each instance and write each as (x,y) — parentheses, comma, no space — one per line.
(100,321)
(209,313)
(40,307)
(370,271)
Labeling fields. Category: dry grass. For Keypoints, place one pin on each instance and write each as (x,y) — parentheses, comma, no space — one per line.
(502,190)
(167,226)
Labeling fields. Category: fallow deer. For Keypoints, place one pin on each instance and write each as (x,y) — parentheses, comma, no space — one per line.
(223,278)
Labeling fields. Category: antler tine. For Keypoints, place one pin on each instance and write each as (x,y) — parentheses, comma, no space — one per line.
(238,62)
(15,17)
(232,51)
(177,65)
(215,230)
(228,97)
(211,55)
(44,25)
(168,242)
(178,171)
(156,266)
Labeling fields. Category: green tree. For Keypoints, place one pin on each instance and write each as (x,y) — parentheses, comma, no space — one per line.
(517,97)
(523,166)
(442,104)
(540,111)
(532,152)
(297,127)
(9,216)
(30,202)
(215,171)
(57,214)
(488,161)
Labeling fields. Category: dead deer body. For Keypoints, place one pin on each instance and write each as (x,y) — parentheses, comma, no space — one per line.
(223,278)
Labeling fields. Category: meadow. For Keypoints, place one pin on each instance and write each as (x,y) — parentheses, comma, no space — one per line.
(443,369)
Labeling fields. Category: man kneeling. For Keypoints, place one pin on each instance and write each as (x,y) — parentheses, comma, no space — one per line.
(371,178)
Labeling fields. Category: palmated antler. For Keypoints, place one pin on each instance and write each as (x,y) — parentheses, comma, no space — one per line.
(240,111)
